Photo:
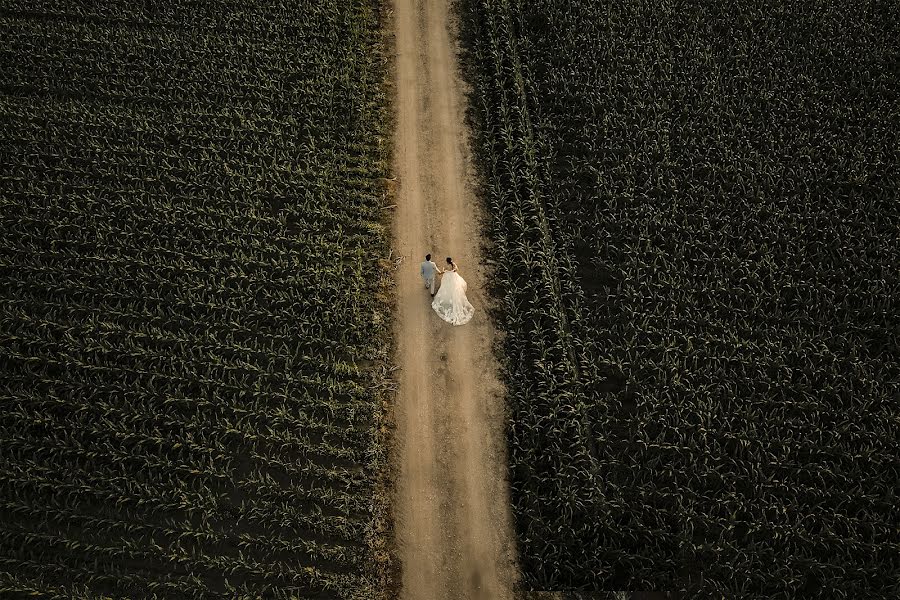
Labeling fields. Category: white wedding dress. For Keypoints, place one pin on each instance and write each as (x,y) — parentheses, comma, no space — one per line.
(450,302)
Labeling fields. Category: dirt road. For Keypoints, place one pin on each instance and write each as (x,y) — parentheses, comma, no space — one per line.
(451,506)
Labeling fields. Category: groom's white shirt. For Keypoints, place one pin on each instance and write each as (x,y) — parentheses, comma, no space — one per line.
(428,269)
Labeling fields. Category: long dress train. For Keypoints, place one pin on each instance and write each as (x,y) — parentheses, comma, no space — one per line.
(450,302)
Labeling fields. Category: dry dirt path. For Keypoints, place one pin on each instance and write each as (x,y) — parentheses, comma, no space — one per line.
(451,504)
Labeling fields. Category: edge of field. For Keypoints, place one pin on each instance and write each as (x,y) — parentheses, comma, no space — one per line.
(496,309)
(478,184)
(383,544)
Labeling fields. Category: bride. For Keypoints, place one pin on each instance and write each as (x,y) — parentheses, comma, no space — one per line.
(450,302)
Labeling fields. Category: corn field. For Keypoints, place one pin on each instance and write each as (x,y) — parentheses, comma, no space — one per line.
(696,225)
(192,310)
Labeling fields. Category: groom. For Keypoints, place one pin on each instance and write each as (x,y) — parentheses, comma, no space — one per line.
(428,270)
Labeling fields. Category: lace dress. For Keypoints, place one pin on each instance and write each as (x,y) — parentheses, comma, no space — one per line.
(450,302)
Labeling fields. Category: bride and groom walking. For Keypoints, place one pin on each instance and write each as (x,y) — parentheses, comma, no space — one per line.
(450,302)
